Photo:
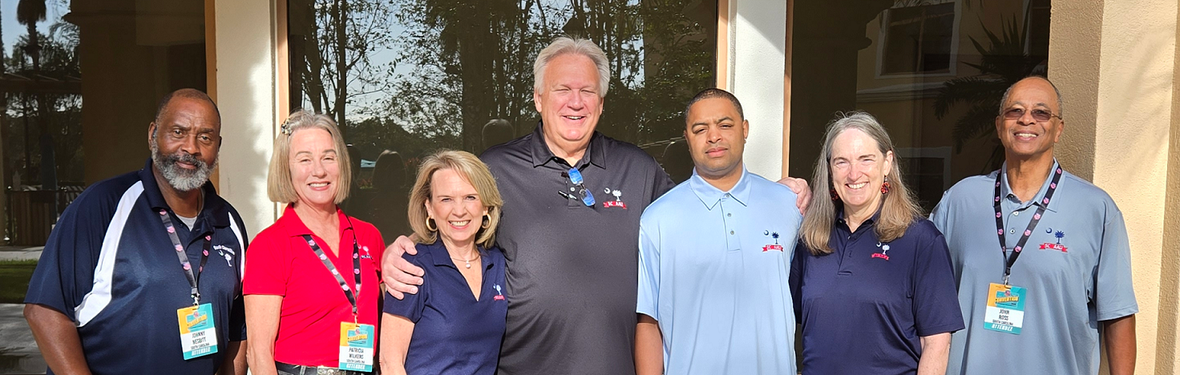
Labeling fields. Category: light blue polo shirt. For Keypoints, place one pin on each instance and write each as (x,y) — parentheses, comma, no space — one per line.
(713,272)
(1076,267)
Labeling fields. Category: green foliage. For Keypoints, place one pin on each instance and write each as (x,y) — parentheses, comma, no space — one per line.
(458,64)
(14,280)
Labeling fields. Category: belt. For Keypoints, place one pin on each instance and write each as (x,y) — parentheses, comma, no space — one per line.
(285,368)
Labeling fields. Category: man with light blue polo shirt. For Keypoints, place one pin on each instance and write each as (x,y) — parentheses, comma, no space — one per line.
(1036,304)
(713,295)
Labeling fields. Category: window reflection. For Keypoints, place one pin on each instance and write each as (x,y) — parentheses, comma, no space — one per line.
(84,67)
(932,71)
(407,77)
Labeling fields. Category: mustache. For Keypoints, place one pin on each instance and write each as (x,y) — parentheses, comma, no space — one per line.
(181,156)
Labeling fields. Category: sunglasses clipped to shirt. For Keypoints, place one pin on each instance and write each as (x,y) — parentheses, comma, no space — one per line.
(580,190)
(1037,114)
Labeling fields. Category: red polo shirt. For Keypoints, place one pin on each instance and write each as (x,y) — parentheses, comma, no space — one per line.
(281,263)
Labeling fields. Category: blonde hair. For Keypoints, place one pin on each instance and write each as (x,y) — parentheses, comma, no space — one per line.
(898,210)
(471,169)
(278,181)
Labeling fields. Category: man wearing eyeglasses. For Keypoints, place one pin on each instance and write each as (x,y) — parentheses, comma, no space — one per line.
(570,226)
(713,255)
(1041,256)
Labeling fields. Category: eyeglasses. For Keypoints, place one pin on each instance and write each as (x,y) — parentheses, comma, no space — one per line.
(575,177)
(1037,114)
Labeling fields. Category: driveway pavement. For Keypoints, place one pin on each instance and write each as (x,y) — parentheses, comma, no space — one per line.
(18,351)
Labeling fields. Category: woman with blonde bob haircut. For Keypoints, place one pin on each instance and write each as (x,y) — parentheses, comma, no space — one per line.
(871,277)
(313,275)
(455,323)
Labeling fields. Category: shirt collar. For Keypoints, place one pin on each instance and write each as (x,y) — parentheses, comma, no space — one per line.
(541,154)
(843,224)
(711,195)
(296,227)
(1006,189)
(441,258)
(215,209)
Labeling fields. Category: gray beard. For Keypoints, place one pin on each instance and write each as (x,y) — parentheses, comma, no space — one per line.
(181,179)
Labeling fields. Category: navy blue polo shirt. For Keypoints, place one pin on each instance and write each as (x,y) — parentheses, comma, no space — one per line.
(110,267)
(865,306)
(453,332)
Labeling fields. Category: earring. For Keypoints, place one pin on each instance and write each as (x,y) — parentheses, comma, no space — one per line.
(835,197)
(885,187)
(487,221)
(429,224)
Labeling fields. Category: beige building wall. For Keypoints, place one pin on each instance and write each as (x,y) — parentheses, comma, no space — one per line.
(1115,62)
(248,98)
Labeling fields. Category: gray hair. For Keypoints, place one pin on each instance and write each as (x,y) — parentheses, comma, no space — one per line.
(899,208)
(1060,101)
(563,45)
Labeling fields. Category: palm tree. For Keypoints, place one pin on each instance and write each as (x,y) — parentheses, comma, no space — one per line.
(1003,62)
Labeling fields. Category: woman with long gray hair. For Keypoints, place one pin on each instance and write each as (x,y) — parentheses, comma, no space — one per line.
(871,277)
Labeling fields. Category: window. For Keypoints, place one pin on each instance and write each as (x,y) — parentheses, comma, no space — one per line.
(942,124)
(93,68)
(406,77)
(918,38)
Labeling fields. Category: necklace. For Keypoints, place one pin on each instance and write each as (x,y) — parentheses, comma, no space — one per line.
(467,261)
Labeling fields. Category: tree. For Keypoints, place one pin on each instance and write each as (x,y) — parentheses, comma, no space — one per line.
(1002,63)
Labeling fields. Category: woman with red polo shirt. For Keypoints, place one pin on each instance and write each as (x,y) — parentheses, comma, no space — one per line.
(311,282)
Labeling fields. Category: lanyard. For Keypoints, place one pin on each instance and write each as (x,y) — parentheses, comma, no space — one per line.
(1032,224)
(180,253)
(356,267)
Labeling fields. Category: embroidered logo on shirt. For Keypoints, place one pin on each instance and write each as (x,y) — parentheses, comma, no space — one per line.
(618,202)
(365,253)
(499,293)
(1055,246)
(775,246)
(884,250)
(225,252)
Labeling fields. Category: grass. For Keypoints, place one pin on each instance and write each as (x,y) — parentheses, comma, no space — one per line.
(14,279)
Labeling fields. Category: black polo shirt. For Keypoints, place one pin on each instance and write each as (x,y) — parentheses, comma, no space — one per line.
(571,268)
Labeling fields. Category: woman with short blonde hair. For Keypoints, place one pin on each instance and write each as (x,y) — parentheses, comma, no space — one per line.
(455,323)
(311,281)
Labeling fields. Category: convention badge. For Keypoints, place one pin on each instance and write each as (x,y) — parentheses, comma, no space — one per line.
(1005,308)
(356,347)
(198,335)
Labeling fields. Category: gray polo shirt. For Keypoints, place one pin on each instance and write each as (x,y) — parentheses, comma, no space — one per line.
(571,268)
(1076,267)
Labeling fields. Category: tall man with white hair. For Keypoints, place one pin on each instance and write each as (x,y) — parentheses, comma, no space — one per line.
(572,202)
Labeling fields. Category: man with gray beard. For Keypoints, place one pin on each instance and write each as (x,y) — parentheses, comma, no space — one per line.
(126,284)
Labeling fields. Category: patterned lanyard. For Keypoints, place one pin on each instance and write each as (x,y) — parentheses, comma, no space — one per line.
(193,279)
(356,267)
(1032,224)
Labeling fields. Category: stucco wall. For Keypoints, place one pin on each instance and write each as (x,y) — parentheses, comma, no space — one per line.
(1114,61)
(758,44)
(246,94)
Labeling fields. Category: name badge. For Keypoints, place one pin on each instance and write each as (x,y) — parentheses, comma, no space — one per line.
(356,347)
(1005,309)
(198,334)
